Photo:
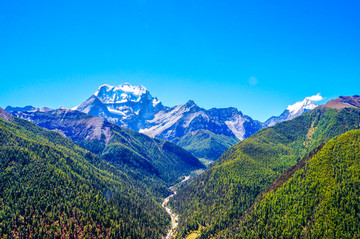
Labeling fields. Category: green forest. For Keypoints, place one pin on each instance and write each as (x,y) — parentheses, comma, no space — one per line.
(52,188)
(321,199)
(299,178)
(206,145)
(218,198)
(156,164)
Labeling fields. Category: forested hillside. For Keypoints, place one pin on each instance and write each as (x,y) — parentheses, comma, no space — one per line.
(206,145)
(320,200)
(52,188)
(220,196)
(158,163)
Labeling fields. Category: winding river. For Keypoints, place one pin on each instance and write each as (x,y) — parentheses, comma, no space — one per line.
(174,217)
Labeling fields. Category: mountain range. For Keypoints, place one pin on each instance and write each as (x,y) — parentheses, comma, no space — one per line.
(134,107)
(66,173)
(204,133)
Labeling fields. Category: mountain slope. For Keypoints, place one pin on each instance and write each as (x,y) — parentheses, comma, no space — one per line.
(159,163)
(206,145)
(229,187)
(320,200)
(343,102)
(50,187)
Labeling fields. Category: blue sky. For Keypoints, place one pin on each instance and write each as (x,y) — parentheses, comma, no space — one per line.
(258,56)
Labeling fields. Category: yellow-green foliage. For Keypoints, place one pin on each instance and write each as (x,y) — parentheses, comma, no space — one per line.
(321,200)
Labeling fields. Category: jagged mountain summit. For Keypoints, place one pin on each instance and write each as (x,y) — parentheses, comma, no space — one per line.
(176,122)
(124,105)
(292,111)
(134,107)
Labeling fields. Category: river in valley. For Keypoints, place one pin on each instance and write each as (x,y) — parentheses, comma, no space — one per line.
(174,217)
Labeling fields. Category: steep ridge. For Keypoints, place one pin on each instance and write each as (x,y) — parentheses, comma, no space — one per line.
(5,115)
(52,188)
(229,187)
(344,102)
(319,200)
(157,162)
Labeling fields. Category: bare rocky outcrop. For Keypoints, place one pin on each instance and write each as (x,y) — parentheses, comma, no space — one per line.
(5,115)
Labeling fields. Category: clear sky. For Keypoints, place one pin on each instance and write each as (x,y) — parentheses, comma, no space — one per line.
(258,56)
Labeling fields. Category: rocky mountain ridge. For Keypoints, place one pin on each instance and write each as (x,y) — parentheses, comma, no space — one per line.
(135,108)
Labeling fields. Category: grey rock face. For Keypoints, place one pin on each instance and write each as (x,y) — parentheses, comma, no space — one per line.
(5,115)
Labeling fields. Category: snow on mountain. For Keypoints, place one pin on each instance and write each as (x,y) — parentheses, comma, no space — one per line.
(28,108)
(135,108)
(120,94)
(301,106)
(296,109)
(174,123)
(125,105)
(166,119)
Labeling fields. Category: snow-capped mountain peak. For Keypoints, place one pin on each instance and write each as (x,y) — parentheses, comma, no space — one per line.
(124,104)
(292,111)
(135,108)
(120,94)
(307,104)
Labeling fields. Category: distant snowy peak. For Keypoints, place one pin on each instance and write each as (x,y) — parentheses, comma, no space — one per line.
(28,108)
(292,111)
(306,105)
(123,93)
(174,123)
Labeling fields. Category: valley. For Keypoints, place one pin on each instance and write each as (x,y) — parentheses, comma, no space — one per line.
(180,119)
(165,186)
(174,217)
